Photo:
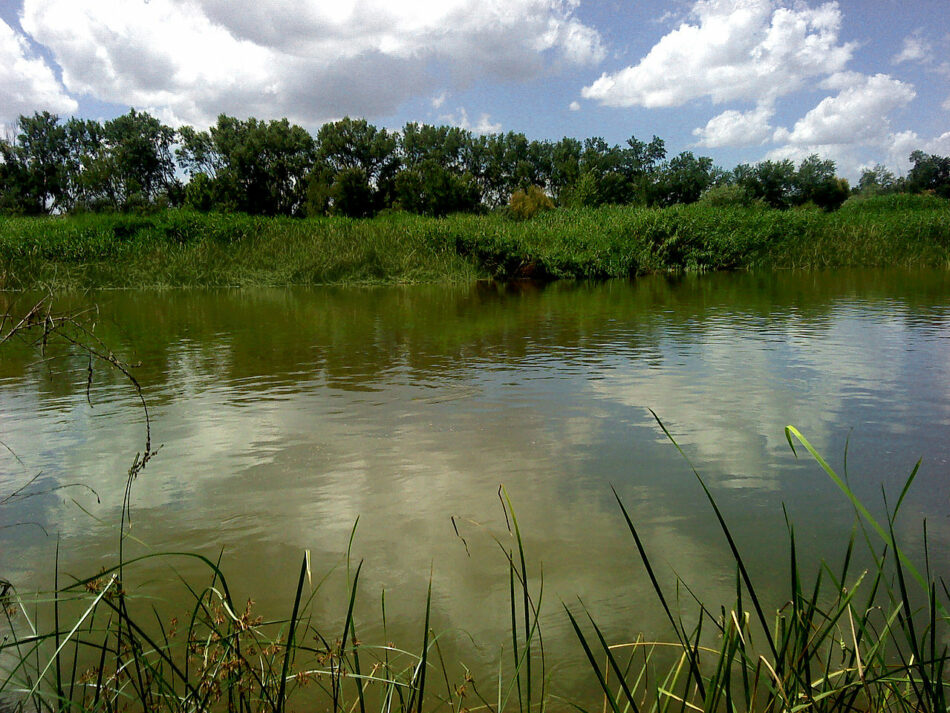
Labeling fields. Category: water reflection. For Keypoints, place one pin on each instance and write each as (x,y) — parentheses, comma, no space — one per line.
(287,414)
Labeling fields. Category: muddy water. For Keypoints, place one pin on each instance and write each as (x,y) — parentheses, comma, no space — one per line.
(284,416)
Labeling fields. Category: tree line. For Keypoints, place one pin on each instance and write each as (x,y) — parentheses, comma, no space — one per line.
(352,168)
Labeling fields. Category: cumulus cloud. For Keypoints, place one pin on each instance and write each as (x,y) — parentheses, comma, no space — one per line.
(307,59)
(576,106)
(857,114)
(901,144)
(844,126)
(753,50)
(27,83)
(484,124)
(736,128)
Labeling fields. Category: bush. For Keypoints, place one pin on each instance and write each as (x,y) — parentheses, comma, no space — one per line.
(728,195)
(528,202)
(895,202)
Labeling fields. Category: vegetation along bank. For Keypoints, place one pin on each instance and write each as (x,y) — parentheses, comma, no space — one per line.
(132,202)
(178,247)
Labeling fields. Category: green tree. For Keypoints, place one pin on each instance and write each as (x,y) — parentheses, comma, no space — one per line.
(446,145)
(351,194)
(37,174)
(877,180)
(256,167)
(770,181)
(85,141)
(929,173)
(139,157)
(527,202)
(816,182)
(612,174)
(682,179)
(430,189)
(352,145)
(565,166)
(15,184)
(435,178)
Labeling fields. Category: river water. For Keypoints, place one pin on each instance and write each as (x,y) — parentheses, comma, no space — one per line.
(284,415)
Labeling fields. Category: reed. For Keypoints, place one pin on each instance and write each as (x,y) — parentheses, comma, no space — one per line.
(843,640)
(873,640)
(180,248)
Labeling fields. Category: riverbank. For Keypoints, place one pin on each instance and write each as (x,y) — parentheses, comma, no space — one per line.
(181,248)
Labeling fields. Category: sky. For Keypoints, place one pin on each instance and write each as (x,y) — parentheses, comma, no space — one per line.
(858,81)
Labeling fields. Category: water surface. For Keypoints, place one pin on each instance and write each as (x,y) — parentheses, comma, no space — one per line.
(285,415)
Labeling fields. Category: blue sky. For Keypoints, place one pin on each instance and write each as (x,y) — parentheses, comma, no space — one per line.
(738,80)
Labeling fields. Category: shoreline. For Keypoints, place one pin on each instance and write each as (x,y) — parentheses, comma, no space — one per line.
(175,248)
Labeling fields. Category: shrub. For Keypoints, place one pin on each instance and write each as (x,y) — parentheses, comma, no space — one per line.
(728,195)
(528,202)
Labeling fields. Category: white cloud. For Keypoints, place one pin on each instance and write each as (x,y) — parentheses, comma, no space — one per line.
(27,83)
(576,106)
(946,104)
(915,49)
(858,114)
(849,160)
(846,126)
(903,143)
(736,128)
(307,59)
(484,125)
(892,149)
(439,100)
(754,50)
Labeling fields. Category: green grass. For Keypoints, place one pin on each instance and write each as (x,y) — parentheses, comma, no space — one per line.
(179,248)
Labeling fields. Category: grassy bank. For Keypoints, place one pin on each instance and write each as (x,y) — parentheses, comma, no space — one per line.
(178,248)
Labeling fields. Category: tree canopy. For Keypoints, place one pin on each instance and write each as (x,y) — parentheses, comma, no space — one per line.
(352,168)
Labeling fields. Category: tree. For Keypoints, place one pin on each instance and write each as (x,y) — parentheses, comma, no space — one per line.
(877,180)
(815,182)
(15,188)
(446,145)
(430,189)
(257,167)
(435,178)
(929,173)
(85,141)
(36,165)
(611,174)
(565,166)
(351,194)
(139,158)
(527,202)
(354,144)
(682,179)
(770,181)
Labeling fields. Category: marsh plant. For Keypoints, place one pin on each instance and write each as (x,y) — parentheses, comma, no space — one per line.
(186,248)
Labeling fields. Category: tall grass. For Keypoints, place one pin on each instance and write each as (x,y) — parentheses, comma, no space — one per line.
(180,248)
(870,640)
(874,640)
(106,646)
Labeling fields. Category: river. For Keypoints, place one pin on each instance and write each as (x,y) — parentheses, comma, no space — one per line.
(284,415)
